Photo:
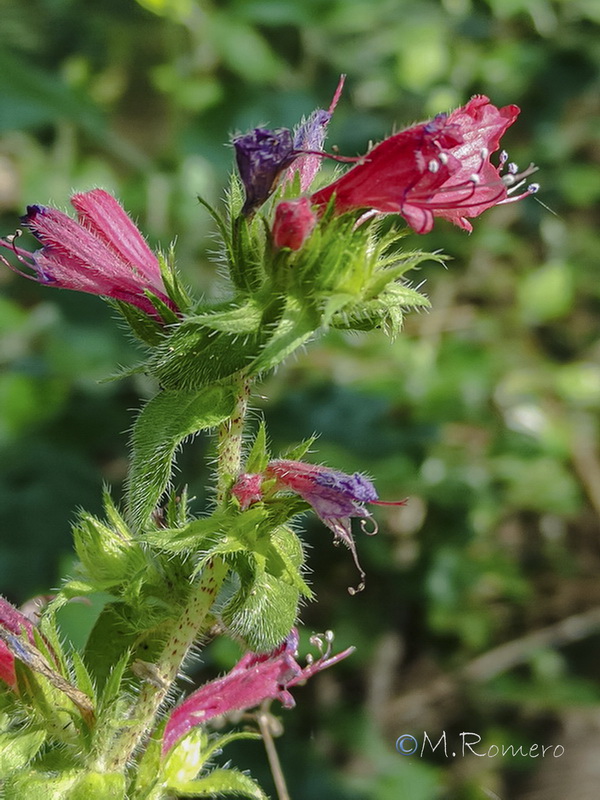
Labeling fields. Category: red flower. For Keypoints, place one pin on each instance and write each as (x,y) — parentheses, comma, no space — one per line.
(14,625)
(101,253)
(255,678)
(439,168)
(294,222)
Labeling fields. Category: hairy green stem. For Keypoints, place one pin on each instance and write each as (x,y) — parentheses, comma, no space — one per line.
(230,443)
(158,677)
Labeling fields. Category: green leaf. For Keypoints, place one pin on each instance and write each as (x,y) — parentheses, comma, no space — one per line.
(195,536)
(209,347)
(220,781)
(263,610)
(161,427)
(99,786)
(295,327)
(17,749)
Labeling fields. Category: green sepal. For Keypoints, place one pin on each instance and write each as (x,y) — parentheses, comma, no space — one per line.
(161,427)
(258,457)
(221,781)
(107,551)
(297,452)
(190,754)
(172,282)
(146,328)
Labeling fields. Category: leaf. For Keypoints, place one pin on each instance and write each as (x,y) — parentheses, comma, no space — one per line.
(296,326)
(17,749)
(209,347)
(195,536)
(263,610)
(161,427)
(220,781)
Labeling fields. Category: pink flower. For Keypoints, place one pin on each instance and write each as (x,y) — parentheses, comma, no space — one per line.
(439,168)
(335,496)
(248,489)
(294,222)
(101,253)
(13,624)
(255,678)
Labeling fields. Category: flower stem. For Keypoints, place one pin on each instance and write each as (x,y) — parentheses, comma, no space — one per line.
(230,443)
(165,670)
(159,676)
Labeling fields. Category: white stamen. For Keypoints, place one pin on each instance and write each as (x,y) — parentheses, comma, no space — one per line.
(443,158)
(484,153)
(433,166)
(474,178)
(513,168)
(503,158)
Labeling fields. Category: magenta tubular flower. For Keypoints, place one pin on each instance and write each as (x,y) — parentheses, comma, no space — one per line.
(102,252)
(294,222)
(13,622)
(255,678)
(335,496)
(439,168)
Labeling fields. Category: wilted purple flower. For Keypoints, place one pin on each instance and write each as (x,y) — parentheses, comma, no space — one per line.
(255,678)
(101,253)
(335,496)
(261,156)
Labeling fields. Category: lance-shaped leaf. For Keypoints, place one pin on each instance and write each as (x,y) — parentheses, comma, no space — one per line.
(161,427)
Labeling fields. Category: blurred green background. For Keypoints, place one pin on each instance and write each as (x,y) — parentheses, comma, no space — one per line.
(485,413)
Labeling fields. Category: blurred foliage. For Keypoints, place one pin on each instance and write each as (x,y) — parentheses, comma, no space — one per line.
(484,412)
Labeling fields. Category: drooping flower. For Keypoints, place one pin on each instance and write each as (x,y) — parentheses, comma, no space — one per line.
(439,168)
(335,496)
(14,624)
(255,678)
(102,252)
(294,222)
